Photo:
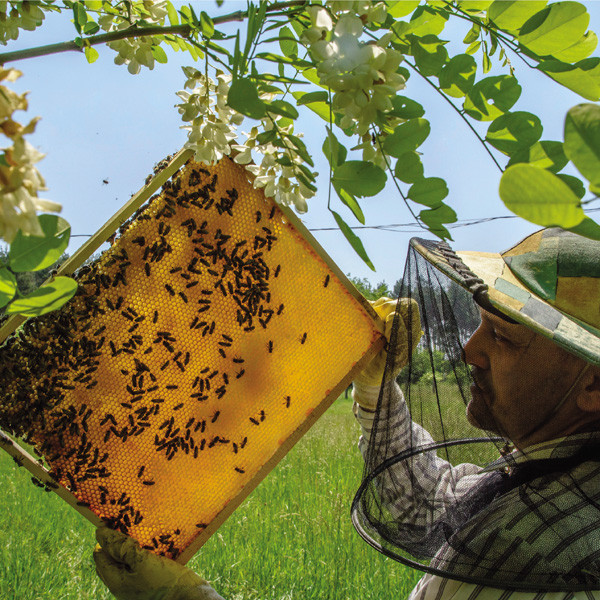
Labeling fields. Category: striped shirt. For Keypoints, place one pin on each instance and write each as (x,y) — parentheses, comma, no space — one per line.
(545,531)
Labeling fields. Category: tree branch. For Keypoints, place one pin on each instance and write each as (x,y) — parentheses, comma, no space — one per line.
(132,32)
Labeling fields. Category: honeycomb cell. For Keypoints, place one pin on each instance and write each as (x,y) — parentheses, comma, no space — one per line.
(195,348)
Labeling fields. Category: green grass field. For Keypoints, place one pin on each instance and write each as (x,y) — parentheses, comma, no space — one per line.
(291,538)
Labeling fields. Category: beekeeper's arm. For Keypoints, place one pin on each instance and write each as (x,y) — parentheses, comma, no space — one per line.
(394,417)
(132,573)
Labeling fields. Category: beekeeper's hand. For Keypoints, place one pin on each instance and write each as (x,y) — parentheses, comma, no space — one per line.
(132,573)
(407,337)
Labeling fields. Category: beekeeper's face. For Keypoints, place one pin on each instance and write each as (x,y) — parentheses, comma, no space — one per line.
(521,378)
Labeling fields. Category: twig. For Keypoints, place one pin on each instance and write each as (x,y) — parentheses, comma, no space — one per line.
(131,32)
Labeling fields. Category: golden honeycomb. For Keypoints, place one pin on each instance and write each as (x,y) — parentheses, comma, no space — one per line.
(195,348)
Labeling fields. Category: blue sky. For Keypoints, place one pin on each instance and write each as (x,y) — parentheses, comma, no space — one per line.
(101,123)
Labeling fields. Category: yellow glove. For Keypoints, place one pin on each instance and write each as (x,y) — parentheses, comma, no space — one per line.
(132,573)
(372,374)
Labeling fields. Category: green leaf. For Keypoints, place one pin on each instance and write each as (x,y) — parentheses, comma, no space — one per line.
(405,108)
(486,64)
(474,47)
(363,178)
(491,97)
(300,149)
(266,136)
(287,42)
(320,108)
(458,75)
(407,136)
(512,131)
(8,286)
(207,27)
(45,299)
(545,154)
(511,15)
(579,50)
(91,54)
(429,54)
(429,191)
(350,201)
(160,56)
(243,97)
(173,16)
(401,8)
(582,140)
(79,16)
(3,161)
(574,183)
(32,253)
(354,240)
(554,28)
(473,34)
(334,151)
(283,108)
(435,218)
(540,197)
(587,228)
(425,21)
(409,167)
(308,97)
(90,28)
(582,77)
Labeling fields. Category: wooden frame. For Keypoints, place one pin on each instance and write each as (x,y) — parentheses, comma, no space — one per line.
(22,457)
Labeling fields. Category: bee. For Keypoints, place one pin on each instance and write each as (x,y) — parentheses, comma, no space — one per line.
(147,269)
(169,289)
(303,338)
(155,317)
(326,282)
(215,416)
(277,270)
(254,421)
(258,216)
(239,470)
(270,346)
(141,471)
(243,442)
(272,213)
(178,406)
(183,296)
(280,309)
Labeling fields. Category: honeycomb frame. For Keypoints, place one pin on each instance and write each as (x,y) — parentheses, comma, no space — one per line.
(249,345)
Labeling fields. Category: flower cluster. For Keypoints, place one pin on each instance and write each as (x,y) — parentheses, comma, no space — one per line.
(211,135)
(279,181)
(18,15)
(363,75)
(211,122)
(20,181)
(135,52)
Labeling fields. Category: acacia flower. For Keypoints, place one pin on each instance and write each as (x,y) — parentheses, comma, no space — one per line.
(20,181)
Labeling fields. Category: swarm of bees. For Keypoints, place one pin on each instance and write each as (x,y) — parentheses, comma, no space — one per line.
(192,350)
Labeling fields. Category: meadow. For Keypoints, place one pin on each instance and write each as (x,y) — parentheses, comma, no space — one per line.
(291,538)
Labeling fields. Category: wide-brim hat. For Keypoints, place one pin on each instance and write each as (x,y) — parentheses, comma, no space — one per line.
(549,282)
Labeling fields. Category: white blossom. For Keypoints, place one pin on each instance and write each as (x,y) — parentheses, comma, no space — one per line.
(20,181)
(362,75)
(211,121)
(135,52)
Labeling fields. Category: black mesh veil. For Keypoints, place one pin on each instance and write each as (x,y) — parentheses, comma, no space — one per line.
(448,498)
